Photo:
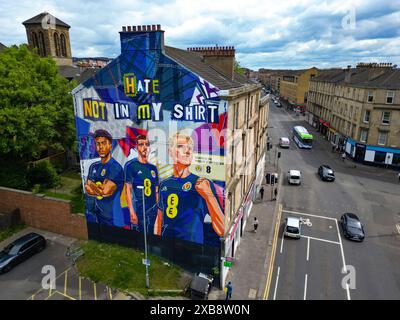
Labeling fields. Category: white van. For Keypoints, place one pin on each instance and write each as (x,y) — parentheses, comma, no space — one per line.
(284,142)
(292,227)
(294,177)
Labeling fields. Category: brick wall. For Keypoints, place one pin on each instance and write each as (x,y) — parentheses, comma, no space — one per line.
(44,212)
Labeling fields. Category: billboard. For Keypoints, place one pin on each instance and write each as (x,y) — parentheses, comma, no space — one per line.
(151,140)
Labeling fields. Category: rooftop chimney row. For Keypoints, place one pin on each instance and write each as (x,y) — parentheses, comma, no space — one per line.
(142,28)
(214,51)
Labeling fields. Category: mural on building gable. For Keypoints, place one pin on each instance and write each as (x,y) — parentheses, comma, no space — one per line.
(146,121)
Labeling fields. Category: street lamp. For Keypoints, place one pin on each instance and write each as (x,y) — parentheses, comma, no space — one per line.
(145,239)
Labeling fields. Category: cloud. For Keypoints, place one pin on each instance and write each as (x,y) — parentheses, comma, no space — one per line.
(265,33)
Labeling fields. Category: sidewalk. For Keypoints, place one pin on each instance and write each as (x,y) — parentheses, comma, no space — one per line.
(249,271)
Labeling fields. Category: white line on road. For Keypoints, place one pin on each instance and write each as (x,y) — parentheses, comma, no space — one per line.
(398,228)
(308,249)
(283,236)
(319,239)
(276,283)
(305,287)
(307,214)
(344,262)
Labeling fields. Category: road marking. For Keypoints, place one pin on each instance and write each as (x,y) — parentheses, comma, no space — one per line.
(283,236)
(344,262)
(65,282)
(307,214)
(319,239)
(398,228)
(276,282)
(271,261)
(80,288)
(308,249)
(305,287)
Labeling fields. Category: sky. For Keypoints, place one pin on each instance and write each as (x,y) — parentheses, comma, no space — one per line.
(285,34)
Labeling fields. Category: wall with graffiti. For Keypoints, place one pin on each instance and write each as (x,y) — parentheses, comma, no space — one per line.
(151,144)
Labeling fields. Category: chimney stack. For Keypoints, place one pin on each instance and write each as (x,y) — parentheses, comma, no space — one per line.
(142,37)
(222,58)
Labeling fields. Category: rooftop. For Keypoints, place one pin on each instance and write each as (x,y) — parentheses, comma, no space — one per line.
(47,17)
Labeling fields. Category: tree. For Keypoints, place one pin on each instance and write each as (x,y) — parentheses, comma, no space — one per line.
(238,68)
(36,110)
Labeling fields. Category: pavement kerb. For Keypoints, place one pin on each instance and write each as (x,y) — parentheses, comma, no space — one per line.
(268,257)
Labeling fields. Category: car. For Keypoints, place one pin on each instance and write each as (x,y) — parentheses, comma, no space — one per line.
(326,173)
(292,227)
(352,227)
(20,250)
(294,177)
(284,142)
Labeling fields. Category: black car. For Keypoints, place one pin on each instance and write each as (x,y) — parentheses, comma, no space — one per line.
(352,227)
(326,173)
(20,250)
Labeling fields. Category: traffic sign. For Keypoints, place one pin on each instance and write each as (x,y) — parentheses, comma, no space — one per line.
(146,262)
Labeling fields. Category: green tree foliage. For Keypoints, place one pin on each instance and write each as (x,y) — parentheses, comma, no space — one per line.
(43,174)
(36,110)
(238,68)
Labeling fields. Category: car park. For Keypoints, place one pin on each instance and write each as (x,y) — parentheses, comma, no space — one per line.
(20,250)
(284,142)
(352,227)
(326,173)
(292,227)
(294,177)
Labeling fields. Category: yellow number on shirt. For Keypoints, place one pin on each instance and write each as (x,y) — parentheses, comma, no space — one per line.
(147,187)
(172,202)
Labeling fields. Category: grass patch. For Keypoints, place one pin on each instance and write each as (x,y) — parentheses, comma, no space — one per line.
(4,234)
(122,268)
(72,175)
(77,202)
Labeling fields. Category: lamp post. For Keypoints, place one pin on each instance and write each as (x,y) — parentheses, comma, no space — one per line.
(145,239)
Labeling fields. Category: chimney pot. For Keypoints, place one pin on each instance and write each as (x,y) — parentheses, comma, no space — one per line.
(134,28)
(139,28)
(124,29)
(149,28)
(143,28)
(158,27)
(129,28)
(153,27)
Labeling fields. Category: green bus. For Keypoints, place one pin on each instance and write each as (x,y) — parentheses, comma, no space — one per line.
(302,137)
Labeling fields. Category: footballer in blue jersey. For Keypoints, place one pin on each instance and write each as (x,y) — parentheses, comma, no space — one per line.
(105,182)
(139,172)
(186,199)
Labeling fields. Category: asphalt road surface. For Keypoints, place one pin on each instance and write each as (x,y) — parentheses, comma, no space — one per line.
(311,268)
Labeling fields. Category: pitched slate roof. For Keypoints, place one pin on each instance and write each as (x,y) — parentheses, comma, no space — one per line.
(194,62)
(365,77)
(38,20)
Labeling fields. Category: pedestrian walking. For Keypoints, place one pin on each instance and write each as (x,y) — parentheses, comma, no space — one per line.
(275,193)
(228,290)
(343,156)
(262,193)
(255,224)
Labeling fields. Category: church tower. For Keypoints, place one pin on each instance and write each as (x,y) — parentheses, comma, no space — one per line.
(50,36)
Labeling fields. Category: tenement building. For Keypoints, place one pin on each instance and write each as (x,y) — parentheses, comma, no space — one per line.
(358,110)
(177,138)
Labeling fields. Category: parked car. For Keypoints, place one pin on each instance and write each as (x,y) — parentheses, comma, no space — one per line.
(292,227)
(284,142)
(294,177)
(278,104)
(20,250)
(352,227)
(326,173)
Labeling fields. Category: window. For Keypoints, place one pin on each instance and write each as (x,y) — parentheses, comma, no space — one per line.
(396,159)
(385,117)
(57,44)
(382,138)
(363,135)
(370,97)
(42,45)
(380,156)
(63,46)
(389,97)
(367,115)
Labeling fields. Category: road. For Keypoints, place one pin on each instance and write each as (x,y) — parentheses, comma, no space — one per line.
(311,268)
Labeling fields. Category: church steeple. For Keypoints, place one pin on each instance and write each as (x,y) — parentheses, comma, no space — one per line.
(50,36)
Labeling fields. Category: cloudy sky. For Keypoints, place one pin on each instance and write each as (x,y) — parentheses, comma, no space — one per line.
(265,33)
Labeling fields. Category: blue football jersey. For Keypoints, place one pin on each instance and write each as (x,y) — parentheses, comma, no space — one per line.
(143,174)
(183,209)
(108,209)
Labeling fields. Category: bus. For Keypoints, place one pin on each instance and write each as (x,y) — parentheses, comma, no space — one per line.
(302,137)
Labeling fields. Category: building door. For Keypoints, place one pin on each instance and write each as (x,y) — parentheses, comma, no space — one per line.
(360,153)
